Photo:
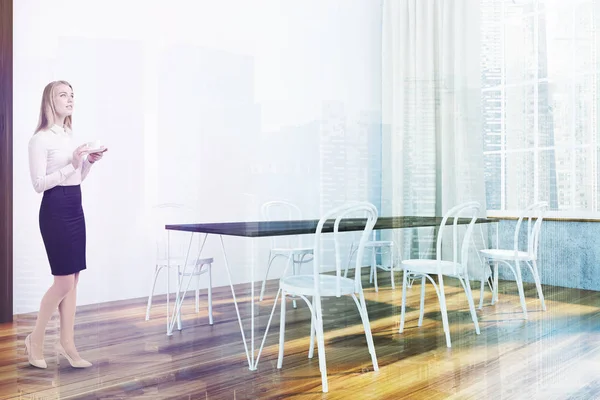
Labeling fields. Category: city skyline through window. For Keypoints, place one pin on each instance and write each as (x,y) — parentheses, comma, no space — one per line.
(539,77)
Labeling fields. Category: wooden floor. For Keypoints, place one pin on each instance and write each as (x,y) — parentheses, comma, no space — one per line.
(553,355)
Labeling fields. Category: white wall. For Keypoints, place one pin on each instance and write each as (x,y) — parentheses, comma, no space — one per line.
(219,104)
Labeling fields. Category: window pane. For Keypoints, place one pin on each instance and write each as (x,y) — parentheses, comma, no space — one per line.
(584,37)
(542,40)
(568,33)
(556,38)
(491,43)
(519,180)
(575,175)
(570,55)
(564,175)
(547,190)
(519,51)
(584,190)
(493,185)
(519,117)
(545,116)
(597,180)
(562,112)
(492,119)
(584,109)
(540,71)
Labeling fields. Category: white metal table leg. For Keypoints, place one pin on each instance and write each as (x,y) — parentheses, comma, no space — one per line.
(177,295)
(237,310)
(251,354)
(251,357)
(176,317)
(168,280)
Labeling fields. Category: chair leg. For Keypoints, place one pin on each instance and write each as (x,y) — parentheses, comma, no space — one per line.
(371,272)
(467,286)
(197,289)
(281,330)
(422,305)
(374,267)
(520,287)
(262,289)
(444,309)
(481,293)
(495,288)
(311,350)
(410,281)
(392,259)
(403,306)
(321,344)
(292,262)
(210,312)
(364,316)
(538,284)
(156,272)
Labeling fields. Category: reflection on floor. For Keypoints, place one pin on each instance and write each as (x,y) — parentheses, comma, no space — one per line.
(554,354)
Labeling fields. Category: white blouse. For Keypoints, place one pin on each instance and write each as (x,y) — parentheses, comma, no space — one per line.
(50,157)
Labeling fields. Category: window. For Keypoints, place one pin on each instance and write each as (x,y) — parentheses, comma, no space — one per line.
(539,72)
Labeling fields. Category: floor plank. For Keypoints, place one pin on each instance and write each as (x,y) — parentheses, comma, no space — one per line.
(553,355)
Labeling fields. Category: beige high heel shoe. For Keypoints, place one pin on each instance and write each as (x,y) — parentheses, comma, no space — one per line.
(41,363)
(81,363)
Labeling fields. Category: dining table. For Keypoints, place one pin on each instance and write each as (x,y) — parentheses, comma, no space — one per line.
(260,229)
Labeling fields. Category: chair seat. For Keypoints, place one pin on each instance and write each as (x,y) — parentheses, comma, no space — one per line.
(379,243)
(499,254)
(180,261)
(426,266)
(294,250)
(305,285)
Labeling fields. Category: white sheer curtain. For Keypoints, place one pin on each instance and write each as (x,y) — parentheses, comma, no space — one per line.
(432,148)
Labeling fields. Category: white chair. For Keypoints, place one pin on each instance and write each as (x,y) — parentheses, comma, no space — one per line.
(535,216)
(456,267)
(377,247)
(288,247)
(317,284)
(171,253)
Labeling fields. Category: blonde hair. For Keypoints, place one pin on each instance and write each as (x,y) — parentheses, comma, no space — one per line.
(47,110)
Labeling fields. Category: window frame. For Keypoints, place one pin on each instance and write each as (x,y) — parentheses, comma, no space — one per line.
(536,148)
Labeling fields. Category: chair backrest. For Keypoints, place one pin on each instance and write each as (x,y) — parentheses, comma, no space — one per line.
(364,215)
(279,210)
(534,215)
(460,255)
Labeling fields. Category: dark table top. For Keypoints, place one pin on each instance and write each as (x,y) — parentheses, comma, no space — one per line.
(307,226)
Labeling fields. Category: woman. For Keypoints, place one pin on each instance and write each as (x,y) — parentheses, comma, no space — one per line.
(57,168)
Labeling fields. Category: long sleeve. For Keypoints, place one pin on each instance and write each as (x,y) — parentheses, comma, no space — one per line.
(85,168)
(38,158)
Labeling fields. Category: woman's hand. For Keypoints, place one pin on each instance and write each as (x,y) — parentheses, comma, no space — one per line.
(93,157)
(78,154)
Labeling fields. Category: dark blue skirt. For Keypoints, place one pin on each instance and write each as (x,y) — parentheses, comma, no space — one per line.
(62,224)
